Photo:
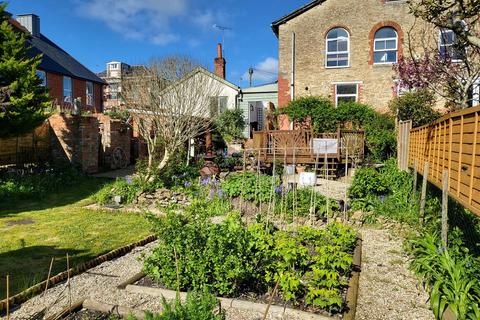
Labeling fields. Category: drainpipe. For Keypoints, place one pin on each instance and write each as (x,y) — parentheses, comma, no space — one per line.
(292,80)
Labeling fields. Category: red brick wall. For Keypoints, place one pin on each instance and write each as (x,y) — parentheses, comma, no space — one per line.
(55,85)
(283,92)
(79,91)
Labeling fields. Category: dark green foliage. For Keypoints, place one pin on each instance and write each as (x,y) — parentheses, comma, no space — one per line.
(319,110)
(230,259)
(250,186)
(118,114)
(127,188)
(198,306)
(416,106)
(379,128)
(230,124)
(23,101)
(387,192)
(34,186)
(451,274)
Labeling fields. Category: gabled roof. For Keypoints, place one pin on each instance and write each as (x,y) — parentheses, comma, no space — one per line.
(54,58)
(214,76)
(276,24)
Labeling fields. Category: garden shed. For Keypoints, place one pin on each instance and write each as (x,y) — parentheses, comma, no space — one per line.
(255,101)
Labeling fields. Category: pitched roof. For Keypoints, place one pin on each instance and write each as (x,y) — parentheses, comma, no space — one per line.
(55,59)
(276,24)
(214,76)
(264,88)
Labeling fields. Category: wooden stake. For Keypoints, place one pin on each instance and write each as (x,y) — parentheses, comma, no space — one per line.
(68,283)
(424,193)
(271,299)
(48,277)
(8,297)
(445,209)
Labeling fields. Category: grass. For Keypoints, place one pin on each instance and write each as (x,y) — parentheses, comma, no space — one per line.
(34,232)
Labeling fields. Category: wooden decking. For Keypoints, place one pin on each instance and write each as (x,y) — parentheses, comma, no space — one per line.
(305,147)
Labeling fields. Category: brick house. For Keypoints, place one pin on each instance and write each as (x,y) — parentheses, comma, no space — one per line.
(65,77)
(332,48)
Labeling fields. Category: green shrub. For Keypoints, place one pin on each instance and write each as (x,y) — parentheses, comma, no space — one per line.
(230,259)
(34,186)
(230,124)
(250,186)
(127,188)
(417,106)
(319,110)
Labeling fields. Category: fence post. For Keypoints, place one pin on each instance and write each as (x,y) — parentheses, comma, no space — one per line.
(415,176)
(445,209)
(424,192)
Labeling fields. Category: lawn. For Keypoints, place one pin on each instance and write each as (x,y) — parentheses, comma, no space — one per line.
(34,232)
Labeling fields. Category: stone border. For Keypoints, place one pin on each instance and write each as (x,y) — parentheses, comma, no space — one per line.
(40,287)
(351,295)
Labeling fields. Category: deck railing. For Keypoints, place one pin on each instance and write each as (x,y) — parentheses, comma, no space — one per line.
(299,144)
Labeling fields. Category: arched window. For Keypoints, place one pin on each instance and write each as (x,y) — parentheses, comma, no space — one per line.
(338,47)
(385,48)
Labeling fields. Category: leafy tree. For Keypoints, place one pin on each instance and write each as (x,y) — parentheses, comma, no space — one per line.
(230,124)
(354,114)
(23,100)
(416,106)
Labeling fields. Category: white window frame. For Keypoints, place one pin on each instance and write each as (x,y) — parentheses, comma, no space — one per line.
(89,97)
(43,77)
(375,40)
(345,95)
(447,46)
(69,79)
(337,52)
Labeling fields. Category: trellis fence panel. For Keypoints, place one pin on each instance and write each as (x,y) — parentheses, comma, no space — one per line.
(451,143)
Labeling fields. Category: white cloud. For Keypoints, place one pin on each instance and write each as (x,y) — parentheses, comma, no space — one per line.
(145,20)
(264,71)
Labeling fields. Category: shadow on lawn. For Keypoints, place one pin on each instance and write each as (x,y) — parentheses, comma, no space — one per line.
(74,193)
(29,266)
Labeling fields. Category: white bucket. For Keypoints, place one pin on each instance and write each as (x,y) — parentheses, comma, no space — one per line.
(307,179)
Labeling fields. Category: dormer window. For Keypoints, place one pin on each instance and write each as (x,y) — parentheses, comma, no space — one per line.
(114,66)
(385,48)
(338,46)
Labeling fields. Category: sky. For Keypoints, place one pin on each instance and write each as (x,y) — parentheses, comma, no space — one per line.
(135,31)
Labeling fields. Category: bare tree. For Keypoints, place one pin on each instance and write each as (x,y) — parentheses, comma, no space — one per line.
(460,16)
(171,103)
(441,62)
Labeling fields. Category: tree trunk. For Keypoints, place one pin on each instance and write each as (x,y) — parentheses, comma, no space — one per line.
(166,157)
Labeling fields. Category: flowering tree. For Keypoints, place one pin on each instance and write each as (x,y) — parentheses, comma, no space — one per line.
(441,57)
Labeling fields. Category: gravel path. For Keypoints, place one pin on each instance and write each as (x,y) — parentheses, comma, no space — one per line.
(100,284)
(388,290)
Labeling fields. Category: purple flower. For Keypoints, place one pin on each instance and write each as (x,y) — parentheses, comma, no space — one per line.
(129,180)
(279,190)
(211,194)
(187,184)
(205,181)
(220,193)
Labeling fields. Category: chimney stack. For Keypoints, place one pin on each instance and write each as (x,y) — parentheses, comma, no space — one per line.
(31,22)
(220,62)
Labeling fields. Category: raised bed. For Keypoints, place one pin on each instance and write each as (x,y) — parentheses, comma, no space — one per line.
(40,287)
(90,309)
(131,285)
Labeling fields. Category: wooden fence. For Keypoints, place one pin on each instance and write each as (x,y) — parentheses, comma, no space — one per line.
(450,144)
(30,148)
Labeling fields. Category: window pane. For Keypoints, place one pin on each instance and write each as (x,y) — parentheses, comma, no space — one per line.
(337,32)
(346,99)
(385,57)
(380,45)
(447,37)
(335,60)
(41,74)
(89,94)
(346,89)
(342,45)
(332,46)
(391,44)
(386,32)
(67,89)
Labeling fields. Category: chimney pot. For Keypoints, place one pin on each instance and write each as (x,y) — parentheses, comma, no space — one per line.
(220,62)
(219,51)
(31,22)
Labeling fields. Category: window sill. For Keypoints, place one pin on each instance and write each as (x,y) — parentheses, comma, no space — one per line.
(343,67)
(384,65)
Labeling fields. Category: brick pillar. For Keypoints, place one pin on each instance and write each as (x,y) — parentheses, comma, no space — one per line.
(220,63)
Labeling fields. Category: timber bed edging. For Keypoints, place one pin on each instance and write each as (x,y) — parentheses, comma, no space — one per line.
(25,295)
